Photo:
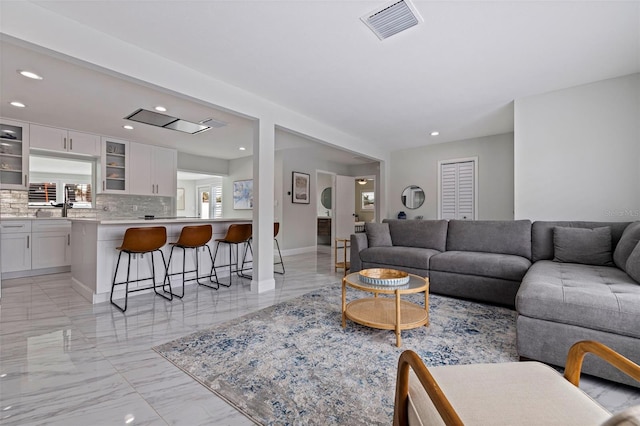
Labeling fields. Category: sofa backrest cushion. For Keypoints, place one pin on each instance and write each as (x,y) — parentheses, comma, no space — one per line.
(490,236)
(378,234)
(430,234)
(628,241)
(542,235)
(582,245)
(633,264)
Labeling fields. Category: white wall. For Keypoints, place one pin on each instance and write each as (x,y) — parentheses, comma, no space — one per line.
(299,221)
(577,153)
(419,166)
(190,197)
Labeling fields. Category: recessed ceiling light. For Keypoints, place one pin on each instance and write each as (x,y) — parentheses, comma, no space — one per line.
(127,127)
(18,104)
(29,74)
(160,108)
(435,133)
(242,148)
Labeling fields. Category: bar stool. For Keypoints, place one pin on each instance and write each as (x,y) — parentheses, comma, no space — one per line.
(141,241)
(191,237)
(276,228)
(236,234)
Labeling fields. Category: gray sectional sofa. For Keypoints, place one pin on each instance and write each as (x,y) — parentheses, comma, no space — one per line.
(569,281)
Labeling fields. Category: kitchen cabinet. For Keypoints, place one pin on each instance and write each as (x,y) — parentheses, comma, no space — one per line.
(51,244)
(62,140)
(31,245)
(155,172)
(15,238)
(114,167)
(14,155)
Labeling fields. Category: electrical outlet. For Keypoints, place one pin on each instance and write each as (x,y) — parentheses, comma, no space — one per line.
(135,208)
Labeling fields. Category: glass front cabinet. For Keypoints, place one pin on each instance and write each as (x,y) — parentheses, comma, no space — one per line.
(114,166)
(14,154)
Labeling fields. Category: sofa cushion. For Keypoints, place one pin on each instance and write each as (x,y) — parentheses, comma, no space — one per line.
(542,235)
(598,297)
(633,264)
(582,245)
(429,234)
(489,236)
(628,241)
(413,257)
(378,234)
(494,265)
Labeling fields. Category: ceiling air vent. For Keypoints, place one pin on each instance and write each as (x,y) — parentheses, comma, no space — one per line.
(392,19)
(166,121)
(212,122)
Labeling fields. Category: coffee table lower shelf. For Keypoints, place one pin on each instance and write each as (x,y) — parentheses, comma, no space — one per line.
(386,313)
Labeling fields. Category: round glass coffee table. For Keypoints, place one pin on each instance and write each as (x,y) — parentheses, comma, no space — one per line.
(386,313)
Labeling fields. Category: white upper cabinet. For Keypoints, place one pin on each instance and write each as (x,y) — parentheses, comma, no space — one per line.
(114,167)
(155,171)
(14,154)
(62,140)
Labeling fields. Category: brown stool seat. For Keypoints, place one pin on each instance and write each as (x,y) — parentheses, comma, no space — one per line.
(141,241)
(192,237)
(237,233)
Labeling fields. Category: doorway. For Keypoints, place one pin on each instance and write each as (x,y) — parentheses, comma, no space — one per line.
(324,211)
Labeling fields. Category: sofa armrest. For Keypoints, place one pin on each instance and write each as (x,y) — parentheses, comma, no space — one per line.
(359,242)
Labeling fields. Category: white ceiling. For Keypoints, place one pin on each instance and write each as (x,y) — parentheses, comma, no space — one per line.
(458,72)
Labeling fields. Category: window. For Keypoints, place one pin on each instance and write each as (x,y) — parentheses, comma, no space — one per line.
(457,189)
(56,179)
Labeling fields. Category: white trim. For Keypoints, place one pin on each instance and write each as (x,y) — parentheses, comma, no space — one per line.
(475,183)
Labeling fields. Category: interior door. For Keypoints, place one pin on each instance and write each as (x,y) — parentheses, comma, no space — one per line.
(345,195)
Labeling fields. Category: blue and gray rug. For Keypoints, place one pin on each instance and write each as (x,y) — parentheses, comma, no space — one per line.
(292,363)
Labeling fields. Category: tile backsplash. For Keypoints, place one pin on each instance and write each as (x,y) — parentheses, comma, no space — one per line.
(15,204)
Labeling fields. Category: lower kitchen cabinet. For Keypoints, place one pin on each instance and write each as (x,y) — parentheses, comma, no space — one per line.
(30,246)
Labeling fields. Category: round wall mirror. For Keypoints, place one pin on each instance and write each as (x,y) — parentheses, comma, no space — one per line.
(412,197)
(325,198)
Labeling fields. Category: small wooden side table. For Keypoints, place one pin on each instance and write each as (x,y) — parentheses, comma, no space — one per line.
(341,244)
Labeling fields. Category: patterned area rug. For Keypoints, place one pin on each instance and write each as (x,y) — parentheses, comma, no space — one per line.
(292,363)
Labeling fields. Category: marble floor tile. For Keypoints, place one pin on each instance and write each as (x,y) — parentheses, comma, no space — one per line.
(64,361)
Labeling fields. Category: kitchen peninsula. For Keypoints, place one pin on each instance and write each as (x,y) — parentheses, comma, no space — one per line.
(94,254)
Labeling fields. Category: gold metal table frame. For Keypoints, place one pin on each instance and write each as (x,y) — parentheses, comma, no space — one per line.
(386,313)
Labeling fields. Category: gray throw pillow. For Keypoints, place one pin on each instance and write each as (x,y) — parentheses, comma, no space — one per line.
(628,241)
(378,234)
(583,245)
(633,264)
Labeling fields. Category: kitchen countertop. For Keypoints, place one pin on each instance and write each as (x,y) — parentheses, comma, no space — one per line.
(159,220)
(34,218)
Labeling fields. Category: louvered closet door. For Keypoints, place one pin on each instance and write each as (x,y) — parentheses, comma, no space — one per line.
(457,182)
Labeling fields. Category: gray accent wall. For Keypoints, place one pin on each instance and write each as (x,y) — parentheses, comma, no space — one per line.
(419,166)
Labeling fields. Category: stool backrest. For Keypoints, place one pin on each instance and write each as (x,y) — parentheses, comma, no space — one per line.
(143,240)
(195,236)
(238,233)
(276,228)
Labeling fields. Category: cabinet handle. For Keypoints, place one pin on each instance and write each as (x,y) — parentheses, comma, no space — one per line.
(64,143)
(70,144)
(28,241)
(68,239)
(25,180)
(103,185)
(12,226)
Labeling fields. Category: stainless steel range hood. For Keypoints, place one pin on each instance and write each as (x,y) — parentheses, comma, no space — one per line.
(153,118)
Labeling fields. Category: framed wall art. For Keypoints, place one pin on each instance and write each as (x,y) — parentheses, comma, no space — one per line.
(368,200)
(243,194)
(300,193)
